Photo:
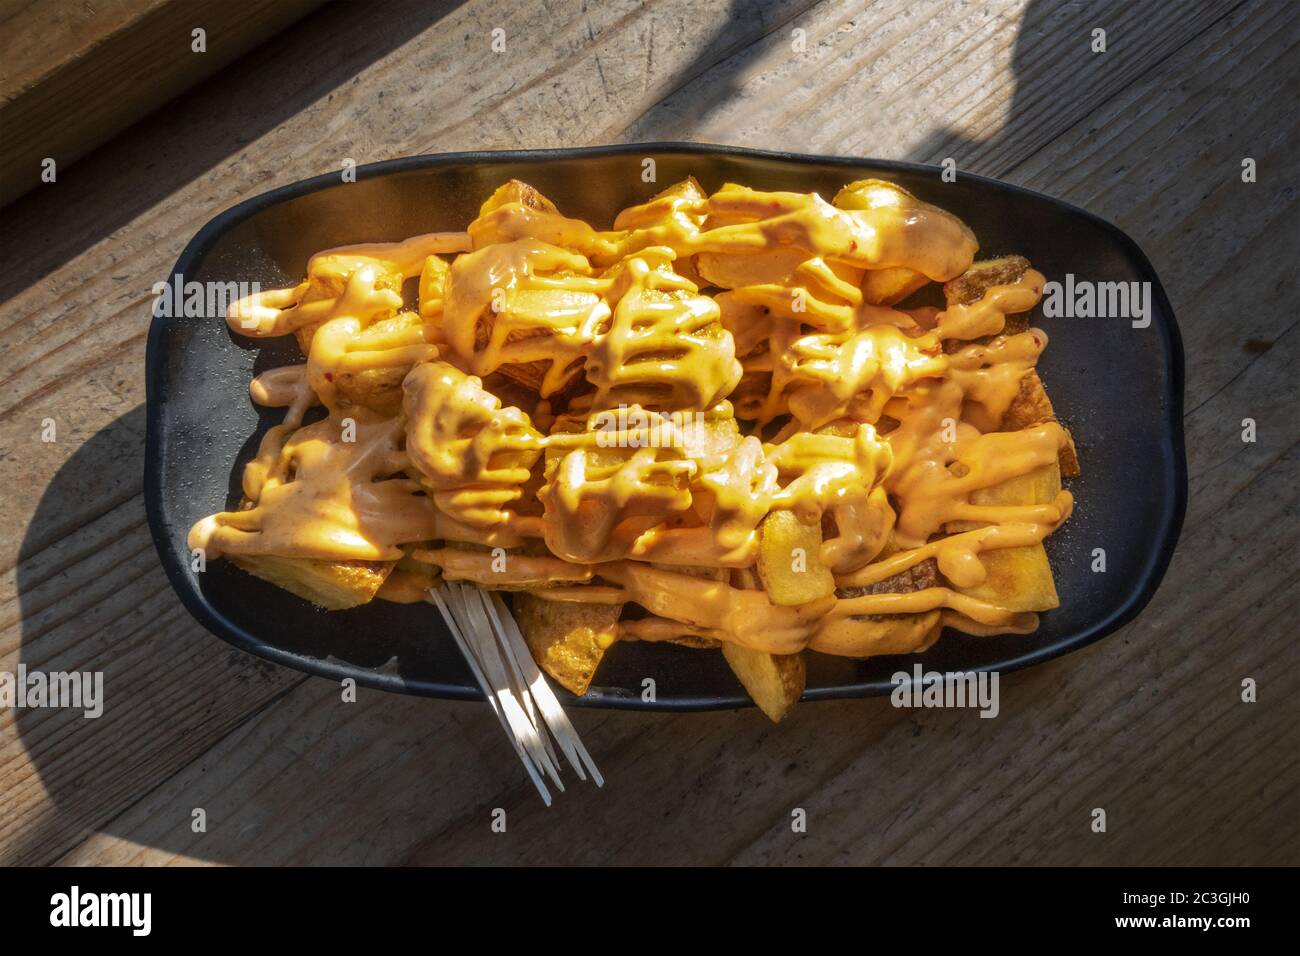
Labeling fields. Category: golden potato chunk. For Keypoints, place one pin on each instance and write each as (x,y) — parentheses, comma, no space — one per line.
(789,560)
(971,285)
(1038,487)
(773,681)
(330,285)
(1019,579)
(517,191)
(433,287)
(734,271)
(333,585)
(568,640)
(379,388)
(890,286)
(1030,407)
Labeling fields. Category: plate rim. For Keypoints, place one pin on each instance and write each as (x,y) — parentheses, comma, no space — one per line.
(1158,558)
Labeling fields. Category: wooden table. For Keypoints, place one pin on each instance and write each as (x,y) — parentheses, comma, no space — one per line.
(1148,724)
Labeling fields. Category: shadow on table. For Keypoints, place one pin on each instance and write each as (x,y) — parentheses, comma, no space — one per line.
(140,167)
(101,462)
(93,768)
(77,758)
(710,84)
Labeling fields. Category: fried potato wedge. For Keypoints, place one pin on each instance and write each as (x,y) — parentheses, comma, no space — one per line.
(642,225)
(333,585)
(774,681)
(735,271)
(517,191)
(789,560)
(433,287)
(686,195)
(890,286)
(972,284)
(875,635)
(1030,407)
(1038,487)
(329,284)
(409,582)
(568,639)
(1019,579)
(380,388)
(862,636)
(873,194)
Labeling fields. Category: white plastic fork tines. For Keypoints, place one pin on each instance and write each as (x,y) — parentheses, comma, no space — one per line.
(499,658)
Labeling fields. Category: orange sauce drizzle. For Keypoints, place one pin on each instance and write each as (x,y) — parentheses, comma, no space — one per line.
(878,428)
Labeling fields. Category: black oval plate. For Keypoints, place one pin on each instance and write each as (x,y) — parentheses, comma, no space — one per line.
(1120,389)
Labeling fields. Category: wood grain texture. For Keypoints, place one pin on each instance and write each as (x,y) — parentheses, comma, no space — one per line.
(72,73)
(1147,723)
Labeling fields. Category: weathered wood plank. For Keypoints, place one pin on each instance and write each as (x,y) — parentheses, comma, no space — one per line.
(73,74)
(100,601)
